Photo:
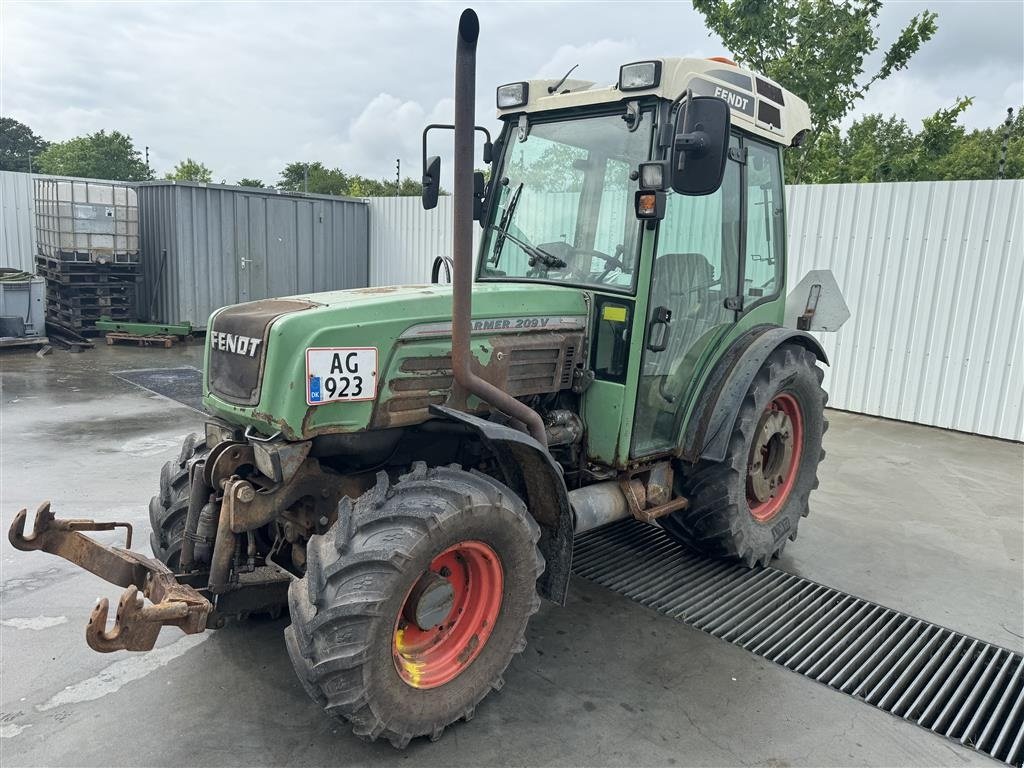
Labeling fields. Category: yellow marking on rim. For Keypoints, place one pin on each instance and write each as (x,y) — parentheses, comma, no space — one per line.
(412,668)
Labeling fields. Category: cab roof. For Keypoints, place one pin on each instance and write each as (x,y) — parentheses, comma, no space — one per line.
(758,105)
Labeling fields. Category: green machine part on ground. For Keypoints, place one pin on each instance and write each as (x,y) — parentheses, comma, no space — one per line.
(404,468)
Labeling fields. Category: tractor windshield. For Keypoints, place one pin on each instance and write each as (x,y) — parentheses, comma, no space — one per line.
(565,207)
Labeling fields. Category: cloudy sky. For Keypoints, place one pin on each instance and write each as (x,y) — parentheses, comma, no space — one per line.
(248,87)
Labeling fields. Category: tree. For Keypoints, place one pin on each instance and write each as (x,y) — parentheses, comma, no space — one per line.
(99,155)
(316,178)
(247,182)
(191,170)
(877,148)
(19,146)
(815,48)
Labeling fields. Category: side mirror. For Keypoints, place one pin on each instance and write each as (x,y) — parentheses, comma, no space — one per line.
(432,182)
(478,196)
(701,145)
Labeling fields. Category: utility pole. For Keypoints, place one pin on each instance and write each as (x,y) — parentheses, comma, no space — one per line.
(398,176)
(305,178)
(1001,173)
(30,162)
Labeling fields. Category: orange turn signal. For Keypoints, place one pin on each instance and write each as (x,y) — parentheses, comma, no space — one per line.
(650,205)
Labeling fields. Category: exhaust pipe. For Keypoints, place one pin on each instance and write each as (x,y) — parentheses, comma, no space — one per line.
(462,225)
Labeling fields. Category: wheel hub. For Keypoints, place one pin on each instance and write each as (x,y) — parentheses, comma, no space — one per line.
(774,457)
(448,615)
(773,453)
(431,600)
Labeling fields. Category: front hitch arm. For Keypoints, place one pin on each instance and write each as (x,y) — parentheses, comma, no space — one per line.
(137,625)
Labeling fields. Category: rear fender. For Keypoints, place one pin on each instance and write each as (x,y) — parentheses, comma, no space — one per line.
(530,471)
(711,424)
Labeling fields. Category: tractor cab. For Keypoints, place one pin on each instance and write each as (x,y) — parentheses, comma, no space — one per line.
(660,197)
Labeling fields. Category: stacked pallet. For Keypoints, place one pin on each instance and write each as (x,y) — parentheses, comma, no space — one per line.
(80,292)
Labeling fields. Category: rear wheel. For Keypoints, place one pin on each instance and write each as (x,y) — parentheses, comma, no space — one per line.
(414,603)
(167,510)
(749,505)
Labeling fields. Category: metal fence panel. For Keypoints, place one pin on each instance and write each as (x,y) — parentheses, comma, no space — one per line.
(404,238)
(17,221)
(933,273)
(206,246)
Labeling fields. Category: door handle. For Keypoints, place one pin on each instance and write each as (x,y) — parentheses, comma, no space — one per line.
(243,261)
(661,317)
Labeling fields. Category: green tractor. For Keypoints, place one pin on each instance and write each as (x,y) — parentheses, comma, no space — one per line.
(405,468)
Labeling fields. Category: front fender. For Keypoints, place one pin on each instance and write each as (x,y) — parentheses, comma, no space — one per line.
(530,471)
(707,433)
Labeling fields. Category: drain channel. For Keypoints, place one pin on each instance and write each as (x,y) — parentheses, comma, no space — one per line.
(960,687)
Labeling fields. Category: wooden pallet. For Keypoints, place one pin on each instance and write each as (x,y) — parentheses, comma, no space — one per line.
(7,342)
(166,341)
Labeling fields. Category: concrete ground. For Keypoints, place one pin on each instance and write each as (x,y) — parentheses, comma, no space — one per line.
(918,519)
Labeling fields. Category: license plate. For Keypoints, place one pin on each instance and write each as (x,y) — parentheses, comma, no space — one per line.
(340,373)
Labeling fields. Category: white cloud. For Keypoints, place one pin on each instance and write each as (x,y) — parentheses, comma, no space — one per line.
(249,87)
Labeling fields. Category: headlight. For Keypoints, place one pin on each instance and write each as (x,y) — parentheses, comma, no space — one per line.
(639,75)
(513,95)
(652,175)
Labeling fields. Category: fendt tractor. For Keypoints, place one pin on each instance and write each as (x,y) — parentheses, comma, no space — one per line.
(405,468)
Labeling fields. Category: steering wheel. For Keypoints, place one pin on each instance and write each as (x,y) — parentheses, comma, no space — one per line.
(611,262)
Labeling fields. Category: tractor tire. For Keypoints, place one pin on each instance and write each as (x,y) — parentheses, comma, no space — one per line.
(167,510)
(746,507)
(414,602)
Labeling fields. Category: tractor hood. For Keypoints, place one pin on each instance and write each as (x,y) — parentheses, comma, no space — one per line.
(270,364)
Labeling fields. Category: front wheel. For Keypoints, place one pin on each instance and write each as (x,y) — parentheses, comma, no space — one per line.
(415,601)
(749,505)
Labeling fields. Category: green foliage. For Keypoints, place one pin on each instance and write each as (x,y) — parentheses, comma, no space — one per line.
(99,155)
(247,182)
(817,49)
(318,179)
(190,170)
(17,144)
(878,148)
(553,170)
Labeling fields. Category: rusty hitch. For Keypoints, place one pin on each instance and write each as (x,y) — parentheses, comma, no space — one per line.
(137,625)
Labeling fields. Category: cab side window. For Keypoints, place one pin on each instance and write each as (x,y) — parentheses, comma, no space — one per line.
(765,223)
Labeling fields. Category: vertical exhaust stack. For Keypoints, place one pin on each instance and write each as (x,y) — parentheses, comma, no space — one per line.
(462,285)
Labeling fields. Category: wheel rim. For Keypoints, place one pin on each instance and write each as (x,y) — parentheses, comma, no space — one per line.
(774,457)
(462,592)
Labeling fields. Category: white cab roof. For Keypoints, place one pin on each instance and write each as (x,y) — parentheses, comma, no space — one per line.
(758,104)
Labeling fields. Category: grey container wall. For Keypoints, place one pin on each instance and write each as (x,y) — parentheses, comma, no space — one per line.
(207,246)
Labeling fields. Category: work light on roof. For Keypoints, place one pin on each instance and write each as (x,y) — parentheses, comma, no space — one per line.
(513,95)
(639,75)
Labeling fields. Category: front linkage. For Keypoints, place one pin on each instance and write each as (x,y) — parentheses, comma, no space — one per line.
(137,625)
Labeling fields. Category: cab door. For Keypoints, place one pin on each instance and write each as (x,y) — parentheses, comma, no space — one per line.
(693,304)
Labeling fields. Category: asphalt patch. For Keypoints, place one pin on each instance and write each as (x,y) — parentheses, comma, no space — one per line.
(183,385)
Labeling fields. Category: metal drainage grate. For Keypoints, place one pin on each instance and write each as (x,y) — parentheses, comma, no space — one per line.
(184,385)
(965,689)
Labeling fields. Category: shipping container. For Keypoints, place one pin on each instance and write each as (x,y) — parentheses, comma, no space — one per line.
(91,221)
(210,245)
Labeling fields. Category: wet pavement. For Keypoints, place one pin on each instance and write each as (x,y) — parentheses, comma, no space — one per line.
(921,520)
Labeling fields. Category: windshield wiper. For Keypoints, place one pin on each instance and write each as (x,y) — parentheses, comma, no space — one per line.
(536,253)
(502,227)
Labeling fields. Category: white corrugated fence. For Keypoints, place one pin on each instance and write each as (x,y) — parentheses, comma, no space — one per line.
(17,221)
